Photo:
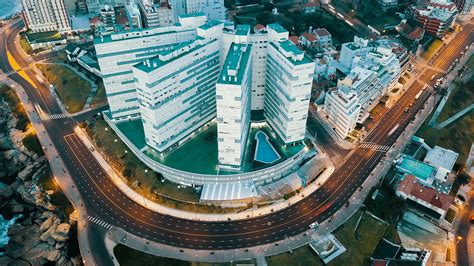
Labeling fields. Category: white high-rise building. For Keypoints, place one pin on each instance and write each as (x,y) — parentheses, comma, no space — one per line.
(288,86)
(155,15)
(117,53)
(45,15)
(176,91)
(342,110)
(134,16)
(233,104)
(213,9)
(259,41)
(359,47)
(94,6)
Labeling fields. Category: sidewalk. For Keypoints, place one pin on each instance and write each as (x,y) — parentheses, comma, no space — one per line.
(153,206)
(61,175)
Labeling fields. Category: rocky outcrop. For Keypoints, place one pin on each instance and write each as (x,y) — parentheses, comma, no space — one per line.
(42,233)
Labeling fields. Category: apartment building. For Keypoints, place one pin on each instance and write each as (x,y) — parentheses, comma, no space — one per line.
(233,93)
(435,16)
(119,52)
(289,78)
(155,15)
(45,15)
(342,109)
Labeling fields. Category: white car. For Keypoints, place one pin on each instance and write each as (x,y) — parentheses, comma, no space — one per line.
(314,225)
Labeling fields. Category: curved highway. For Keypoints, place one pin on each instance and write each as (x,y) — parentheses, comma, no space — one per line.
(105,201)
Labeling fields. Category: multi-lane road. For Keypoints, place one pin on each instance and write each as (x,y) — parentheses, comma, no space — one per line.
(108,204)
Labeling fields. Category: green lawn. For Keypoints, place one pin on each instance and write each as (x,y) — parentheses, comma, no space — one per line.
(71,88)
(303,256)
(32,143)
(100,97)
(127,256)
(44,36)
(461,96)
(7,94)
(434,46)
(470,63)
(25,45)
(360,239)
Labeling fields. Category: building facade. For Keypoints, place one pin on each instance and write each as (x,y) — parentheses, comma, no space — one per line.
(436,16)
(118,52)
(155,15)
(233,93)
(342,109)
(289,78)
(176,91)
(45,15)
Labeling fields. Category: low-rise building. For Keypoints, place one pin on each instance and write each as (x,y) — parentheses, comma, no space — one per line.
(311,7)
(425,199)
(325,68)
(388,4)
(308,39)
(323,37)
(435,16)
(388,253)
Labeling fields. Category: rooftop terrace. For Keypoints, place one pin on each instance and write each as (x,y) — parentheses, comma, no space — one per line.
(235,64)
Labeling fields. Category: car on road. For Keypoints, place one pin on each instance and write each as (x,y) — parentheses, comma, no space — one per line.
(314,225)
(92,148)
(471,219)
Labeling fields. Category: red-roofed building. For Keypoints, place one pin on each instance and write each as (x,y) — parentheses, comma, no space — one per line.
(311,7)
(411,33)
(426,199)
(294,39)
(259,28)
(436,17)
(323,36)
(308,39)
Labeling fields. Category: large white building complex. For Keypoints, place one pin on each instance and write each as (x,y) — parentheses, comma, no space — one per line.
(182,78)
(176,91)
(45,15)
(289,77)
(371,70)
(119,52)
(233,104)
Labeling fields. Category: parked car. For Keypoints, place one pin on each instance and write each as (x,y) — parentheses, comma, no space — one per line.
(314,225)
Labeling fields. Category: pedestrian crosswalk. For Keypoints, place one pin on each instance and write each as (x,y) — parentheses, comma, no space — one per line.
(374,146)
(99,222)
(57,116)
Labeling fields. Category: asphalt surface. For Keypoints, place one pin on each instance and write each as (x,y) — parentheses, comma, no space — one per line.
(105,201)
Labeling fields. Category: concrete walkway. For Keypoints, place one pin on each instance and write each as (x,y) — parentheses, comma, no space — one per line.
(60,173)
(455,117)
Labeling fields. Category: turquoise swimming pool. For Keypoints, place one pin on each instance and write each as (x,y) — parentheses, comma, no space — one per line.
(264,151)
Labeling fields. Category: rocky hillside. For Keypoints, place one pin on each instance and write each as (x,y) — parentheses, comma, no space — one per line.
(43,232)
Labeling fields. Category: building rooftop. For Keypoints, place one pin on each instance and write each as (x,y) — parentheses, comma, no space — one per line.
(198,14)
(177,51)
(309,36)
(410,186)
(291,52)
(228,191)
(210,24)
(321,32)
(235,64)
(242,29)
(441,157)
(277,27)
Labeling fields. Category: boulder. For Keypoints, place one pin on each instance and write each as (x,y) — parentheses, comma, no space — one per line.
(47,223)
(5,260)
(74,216)
(51,241)
(15,229)
(59,245)
(18,239)
(61,232)
(18,208)
(6,192)
(39,251)
(52,255)
(26,173)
